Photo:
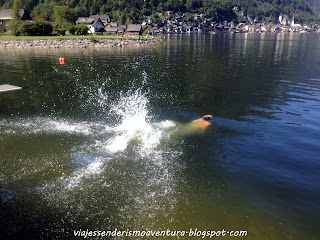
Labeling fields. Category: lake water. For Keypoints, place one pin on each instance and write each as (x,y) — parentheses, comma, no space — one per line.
(101,142)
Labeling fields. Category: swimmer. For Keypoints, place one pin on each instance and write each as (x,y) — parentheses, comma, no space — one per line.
(191,128)
(200,124)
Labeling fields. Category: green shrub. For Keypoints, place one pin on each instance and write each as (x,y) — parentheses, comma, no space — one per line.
(35,29)
(80,29)
(44,28)
(92,39)
(26,29)
(61,31)
(14,27)
(2,29)
(72,29)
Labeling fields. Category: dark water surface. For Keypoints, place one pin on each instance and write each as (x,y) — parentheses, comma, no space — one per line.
(100,143)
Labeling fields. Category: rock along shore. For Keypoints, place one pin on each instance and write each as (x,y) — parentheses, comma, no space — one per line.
(75,43)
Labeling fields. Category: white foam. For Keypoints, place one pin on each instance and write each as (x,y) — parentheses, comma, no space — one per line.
(135,124)
(49,125)
(75,178)
(119,143)
(69,127)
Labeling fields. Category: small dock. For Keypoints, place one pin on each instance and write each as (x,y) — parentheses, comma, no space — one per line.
(8,87)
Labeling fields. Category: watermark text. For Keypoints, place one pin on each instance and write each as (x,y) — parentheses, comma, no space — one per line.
(157,233)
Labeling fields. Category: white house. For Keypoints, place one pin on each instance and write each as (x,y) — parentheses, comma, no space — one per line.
(94,25)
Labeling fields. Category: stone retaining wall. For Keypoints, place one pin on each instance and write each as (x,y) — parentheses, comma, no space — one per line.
(74,43)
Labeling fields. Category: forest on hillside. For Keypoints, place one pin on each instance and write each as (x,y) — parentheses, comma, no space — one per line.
(134,11)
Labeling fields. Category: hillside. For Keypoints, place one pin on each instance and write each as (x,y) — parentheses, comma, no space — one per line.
(131,11)
(315,4)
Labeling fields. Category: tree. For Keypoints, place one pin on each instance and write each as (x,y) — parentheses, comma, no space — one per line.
(193,5)
(15,9)
(43,11)
(14,25)
(63,15)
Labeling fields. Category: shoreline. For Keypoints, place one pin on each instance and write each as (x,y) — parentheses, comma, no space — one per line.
(76,43)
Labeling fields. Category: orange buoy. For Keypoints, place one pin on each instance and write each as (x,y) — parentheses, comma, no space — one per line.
(62,60)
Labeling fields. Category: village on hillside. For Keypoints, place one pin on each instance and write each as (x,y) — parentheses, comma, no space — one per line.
(170,22)
(174,23)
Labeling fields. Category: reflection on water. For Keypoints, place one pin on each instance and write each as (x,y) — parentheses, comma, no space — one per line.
(103,141)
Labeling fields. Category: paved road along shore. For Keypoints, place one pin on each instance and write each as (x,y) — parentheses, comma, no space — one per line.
(75,43)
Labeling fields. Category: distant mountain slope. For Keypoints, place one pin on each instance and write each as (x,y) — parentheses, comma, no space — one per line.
(271,9)
(315,4)
(134,10)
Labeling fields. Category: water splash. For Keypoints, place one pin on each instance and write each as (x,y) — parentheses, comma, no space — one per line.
(131,122)
(135,124)
(124,161)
